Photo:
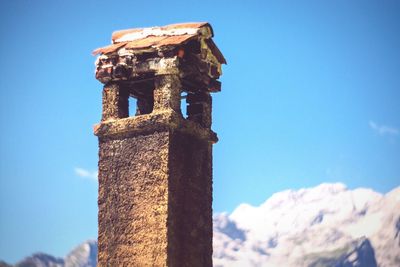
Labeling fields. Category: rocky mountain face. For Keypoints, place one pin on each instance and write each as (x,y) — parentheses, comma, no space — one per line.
(84,255)
(328,225)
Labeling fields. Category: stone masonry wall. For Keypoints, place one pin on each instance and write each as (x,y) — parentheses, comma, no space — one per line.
(133,201)
(190,201)
(155,197)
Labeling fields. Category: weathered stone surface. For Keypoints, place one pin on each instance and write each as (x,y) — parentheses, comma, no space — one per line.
(184,49)
(155,195)
(199,108)
(149,123)
(167,93)
(133,201)
(115,102)
(155,169)
(190,201)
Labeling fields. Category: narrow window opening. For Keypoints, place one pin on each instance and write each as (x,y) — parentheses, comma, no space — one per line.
(184,105)
(132,106)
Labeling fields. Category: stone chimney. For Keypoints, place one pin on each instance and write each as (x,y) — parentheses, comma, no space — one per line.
(155,164)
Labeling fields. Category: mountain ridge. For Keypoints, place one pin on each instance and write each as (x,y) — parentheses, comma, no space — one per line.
(325,225)
(292,224)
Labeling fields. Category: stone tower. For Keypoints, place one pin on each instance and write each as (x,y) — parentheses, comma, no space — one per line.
(155,164)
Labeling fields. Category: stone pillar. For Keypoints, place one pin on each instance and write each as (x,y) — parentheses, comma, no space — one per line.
(115,102)
(167,92)
(155,168)
(155,184)
(190,201)
(133,200)
(199,108)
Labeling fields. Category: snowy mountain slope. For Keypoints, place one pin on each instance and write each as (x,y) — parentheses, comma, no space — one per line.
(41,260)
(84,255)
(327,225)
(311,226)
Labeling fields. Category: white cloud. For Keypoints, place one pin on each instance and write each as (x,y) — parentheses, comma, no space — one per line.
(383,129)
(86,173)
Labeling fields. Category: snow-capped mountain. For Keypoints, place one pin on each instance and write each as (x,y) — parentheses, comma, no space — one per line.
(84,255)
(327,225)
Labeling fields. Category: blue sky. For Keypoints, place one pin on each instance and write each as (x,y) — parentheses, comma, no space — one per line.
(311,94)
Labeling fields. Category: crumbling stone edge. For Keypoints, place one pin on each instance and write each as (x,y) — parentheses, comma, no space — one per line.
(149,123)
